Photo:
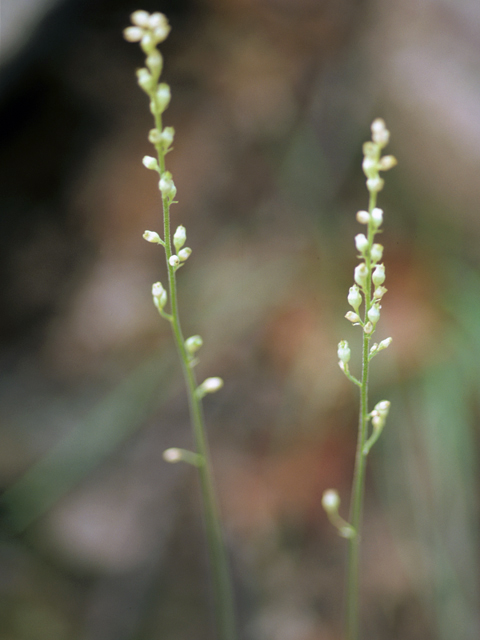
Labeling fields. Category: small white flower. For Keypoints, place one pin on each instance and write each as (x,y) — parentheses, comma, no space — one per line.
(375,184)
(172,455)
(343,351)
(179,237)
(184,254)
(380,133)
(387,162)
(374,314)
(140,19)
(330,501)
(363,217)
(133,34)
(163,96)
(384,344)
(150,163)
(167,186)
(354,297)
(210,385)
(377,217)
(193,344)
(174,261)
(378,276)
(376,253)
(360,274)
(352,317)
(152,236)
(159,295)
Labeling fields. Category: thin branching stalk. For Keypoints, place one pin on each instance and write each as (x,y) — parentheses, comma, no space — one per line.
(368,289)
(149,30)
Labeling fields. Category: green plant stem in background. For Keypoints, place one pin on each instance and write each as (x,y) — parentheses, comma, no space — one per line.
(150,30)
(368,290)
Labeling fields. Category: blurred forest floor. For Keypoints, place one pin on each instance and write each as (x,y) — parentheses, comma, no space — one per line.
(272,100)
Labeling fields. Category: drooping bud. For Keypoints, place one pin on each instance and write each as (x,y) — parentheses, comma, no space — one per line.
(179,237)
(152,236)
(343,351)
(354,297)
(150,163)
(378,275)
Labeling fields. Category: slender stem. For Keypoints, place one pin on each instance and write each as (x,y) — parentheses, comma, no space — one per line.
(356,505)
(222,586)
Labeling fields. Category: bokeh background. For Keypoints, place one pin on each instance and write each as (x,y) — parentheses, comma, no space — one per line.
(272,100)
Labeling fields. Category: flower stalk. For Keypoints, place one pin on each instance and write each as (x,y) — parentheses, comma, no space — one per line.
(149,30)
(369,277)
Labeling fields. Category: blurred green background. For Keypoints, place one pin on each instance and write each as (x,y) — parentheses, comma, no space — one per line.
(272,100)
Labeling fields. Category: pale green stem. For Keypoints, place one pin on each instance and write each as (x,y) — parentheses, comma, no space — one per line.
(222,585)
(356,504)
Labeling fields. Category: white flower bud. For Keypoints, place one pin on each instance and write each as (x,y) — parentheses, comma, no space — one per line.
(361,243)
(343,351)
(174,261)
(152,236)
(379,293)
(154,62)
(159,295)
(384,344)
(330,501)
(193,344)
(370,167)
(147,43)
(140,19)
(182,455)
(154,136)
(150,163)
(167,186)
(157,20)
(368,328)
(354,297)
(210,385)
(145,80)
(387,162)
(163,96)
(363,217)
(376,253)
(360,274)
(166,137)
(179,237)
(172,455)
(375,184)
(184,254)
(382,407)
(380,133)
(133,34)
(159,24)
(352,317)
(377,217)
(378,276)
(374,314)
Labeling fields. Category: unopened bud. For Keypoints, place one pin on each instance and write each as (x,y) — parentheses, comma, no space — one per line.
(163,96)
(384,344)
(145,80)
(354,297)
(377,217)
(152,236)
(360,274)
(167,186)
(387,162)
(378,276)
(376,253)
(193,344)
(154,136)
(352,317)
(330,501)
(133,34)
(147,43)
(361,243)
(159,295)
(380,133)
(179,237)
(150,163)
(343,351)
(374,314)
(363,217)
(368,328)
(375,184)
(154,62)
(174,261)
(379,293)
(184,254)
(140,19)
(166,137)
(210,385)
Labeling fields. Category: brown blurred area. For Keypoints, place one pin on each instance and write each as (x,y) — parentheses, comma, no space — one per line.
(271,102)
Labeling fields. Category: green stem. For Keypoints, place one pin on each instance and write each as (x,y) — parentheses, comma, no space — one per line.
(356,505)
(222,586)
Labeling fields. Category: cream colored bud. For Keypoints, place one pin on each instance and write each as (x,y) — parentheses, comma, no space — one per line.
(380,133)
(133,34)
(375,184)
(159,295)
(378,276)
(352,317)
(140,19)
(379,293)
(376,253)
(377,217)
(387,162)
(370,167)
(363,217)
(163,96)
(167,186)
(157,20)
(150,163)
(154,136)
(184,254)
(145,80)
(374,314)
(154,62)
(354,297)
(360,274)
(384,344)
(343,351)
(361,243)
(172,455)
(331,501)
(368,328)
(193,344)
(166,137)
(210,385)
(382,407)
(147,43)
(179,237)
(152,236)
(174,261)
